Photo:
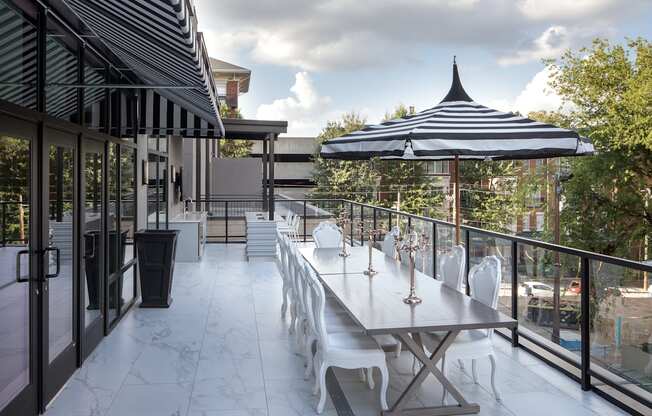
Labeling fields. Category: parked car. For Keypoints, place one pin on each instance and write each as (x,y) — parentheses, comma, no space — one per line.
(574,287)
(535,289)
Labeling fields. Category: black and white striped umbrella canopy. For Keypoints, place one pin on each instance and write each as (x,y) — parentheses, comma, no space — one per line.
(458,126)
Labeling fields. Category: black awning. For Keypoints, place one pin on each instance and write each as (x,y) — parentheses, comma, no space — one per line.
(157,116)
(158,40)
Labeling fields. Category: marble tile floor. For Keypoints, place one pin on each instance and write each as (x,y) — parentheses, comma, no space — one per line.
(222,349)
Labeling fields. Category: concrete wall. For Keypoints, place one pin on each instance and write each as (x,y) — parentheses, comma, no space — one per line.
(291,145)
(236,177)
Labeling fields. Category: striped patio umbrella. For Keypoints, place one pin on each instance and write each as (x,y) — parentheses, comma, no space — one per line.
(458,128)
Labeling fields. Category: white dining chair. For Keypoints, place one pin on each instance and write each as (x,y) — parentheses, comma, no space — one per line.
(388,244)
(452,267)
(327,235)
(484,282)
(336,318)
(344,350)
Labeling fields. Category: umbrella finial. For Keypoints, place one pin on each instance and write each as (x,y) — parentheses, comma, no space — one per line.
(456,93)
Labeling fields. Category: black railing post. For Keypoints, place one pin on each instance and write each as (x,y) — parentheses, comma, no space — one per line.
(434,250)
(585,324)
(409,227)
(467,259)
(226,221)
(375,226)
(305,220)
(389,219)
(351,222)
(514,291)
(4,223)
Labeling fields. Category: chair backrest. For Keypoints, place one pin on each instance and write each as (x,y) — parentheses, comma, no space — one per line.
(484,281)
(316,299)
(283,254)
(294,266)
(327,234)
(452,267)
(389,240)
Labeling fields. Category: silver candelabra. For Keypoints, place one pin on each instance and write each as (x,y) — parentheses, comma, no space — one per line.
(411,245)
(371,234)
(342,221)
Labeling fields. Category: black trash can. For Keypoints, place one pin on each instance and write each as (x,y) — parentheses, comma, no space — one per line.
(92,264)
(156,250)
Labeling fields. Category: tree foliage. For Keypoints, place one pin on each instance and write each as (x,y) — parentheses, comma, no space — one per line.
(377,181)
(607,89)
(233,148)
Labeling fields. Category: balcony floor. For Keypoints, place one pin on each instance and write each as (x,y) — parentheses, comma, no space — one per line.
(222,349)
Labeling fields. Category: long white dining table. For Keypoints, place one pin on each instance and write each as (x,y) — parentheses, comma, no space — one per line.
(376,304)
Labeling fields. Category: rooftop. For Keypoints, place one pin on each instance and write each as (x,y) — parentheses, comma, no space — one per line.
(223,349)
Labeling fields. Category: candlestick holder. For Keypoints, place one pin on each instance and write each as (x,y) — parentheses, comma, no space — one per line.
(371,235)
(342,221)
(411,245)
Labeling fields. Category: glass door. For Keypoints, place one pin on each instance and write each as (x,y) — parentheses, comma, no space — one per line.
(93,261)
(59,285)
(18,281)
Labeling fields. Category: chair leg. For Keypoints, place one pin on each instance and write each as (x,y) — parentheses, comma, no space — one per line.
(308,351)
(461,363)
(363,375)
(321,376)
(474,370)
(370,378)
(284,306)
(493,377)
(443,370)
(384,384)
(293,317)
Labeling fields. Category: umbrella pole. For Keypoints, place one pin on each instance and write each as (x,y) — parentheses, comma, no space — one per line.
(456,173)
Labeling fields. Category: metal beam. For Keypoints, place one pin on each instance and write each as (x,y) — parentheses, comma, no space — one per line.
(264,160)
(107,85)
(272,204)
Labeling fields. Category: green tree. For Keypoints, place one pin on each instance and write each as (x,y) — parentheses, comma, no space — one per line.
(608,92)
(233,148)
(495,193)
(354,180)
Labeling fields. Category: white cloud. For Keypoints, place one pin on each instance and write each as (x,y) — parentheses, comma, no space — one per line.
(537,95)
(566,9)
(350,34)
(550,44)
(305,110)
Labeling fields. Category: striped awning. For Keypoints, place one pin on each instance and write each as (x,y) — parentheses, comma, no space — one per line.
(158,40)
(457,126)
(157,116)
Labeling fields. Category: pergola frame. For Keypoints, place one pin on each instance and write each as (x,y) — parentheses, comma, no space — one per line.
(256,130)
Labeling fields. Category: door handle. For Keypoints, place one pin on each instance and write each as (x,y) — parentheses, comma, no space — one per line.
(19,278)
(58,262)
(92,253)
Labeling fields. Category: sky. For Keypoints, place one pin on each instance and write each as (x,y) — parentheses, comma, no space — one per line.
(313,60)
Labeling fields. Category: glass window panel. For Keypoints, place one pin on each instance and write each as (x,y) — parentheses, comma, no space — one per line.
(92,236)
(60,235)
(60,68)
(17,57)
(621,324)
(14,297)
